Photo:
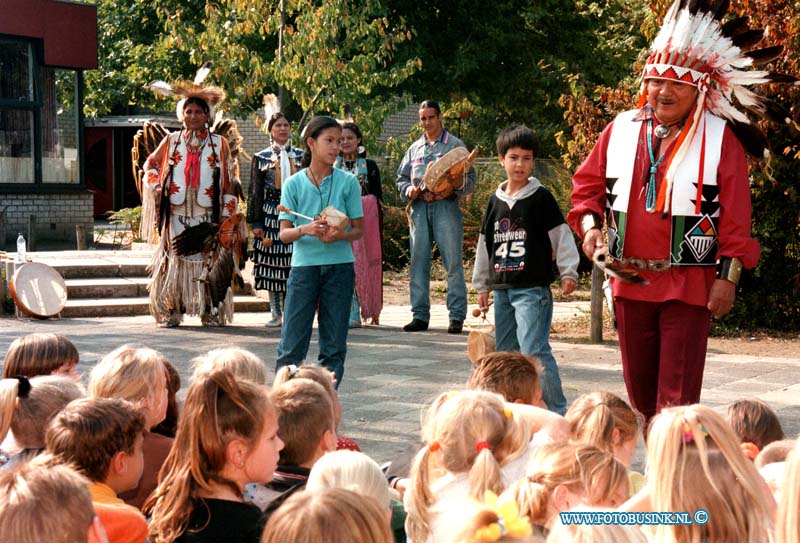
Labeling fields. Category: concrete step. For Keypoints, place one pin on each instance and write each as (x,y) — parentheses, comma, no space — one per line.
(121,307)
(107,287)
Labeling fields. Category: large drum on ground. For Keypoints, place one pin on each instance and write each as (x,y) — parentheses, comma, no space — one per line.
(38,290)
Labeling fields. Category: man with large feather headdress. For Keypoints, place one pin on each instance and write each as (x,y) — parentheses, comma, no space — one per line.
(190,187)
(671,180)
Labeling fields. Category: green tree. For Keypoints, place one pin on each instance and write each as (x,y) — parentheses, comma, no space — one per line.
(334,53)
(492,65)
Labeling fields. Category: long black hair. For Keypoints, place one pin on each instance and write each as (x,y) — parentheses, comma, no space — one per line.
(312,130)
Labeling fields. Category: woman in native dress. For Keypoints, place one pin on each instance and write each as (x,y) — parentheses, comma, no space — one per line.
(270,168)
(368,294)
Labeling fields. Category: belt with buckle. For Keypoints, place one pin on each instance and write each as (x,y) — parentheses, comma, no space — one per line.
(645,264)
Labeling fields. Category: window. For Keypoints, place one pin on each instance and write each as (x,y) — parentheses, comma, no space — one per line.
(39,119)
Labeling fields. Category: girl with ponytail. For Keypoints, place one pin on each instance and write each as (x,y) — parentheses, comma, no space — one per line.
(607,421)
(475,443)
(227,437)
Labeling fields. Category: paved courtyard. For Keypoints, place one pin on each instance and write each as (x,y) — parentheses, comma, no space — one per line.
(390,375)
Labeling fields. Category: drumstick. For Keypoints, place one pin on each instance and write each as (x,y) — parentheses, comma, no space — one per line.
(295,213)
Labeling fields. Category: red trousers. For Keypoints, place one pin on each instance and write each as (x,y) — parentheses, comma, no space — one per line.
(663,347)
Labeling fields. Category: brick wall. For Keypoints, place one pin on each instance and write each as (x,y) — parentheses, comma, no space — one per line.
(56,215)
(254,141)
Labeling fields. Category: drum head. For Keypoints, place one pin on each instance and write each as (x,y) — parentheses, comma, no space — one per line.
(435,176)
(38,290)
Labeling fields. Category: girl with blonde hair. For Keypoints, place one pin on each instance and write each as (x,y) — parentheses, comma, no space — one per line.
(333,515)
(41,354)
(351,470)
(26,407)
(787,527)
(227,437)
(138,375)
(694,462)
(474,444)
(561,476)
(358,472)
(607,421)
(241,362)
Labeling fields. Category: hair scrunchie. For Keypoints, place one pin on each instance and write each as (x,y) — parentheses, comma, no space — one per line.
(482,445)
(24,387)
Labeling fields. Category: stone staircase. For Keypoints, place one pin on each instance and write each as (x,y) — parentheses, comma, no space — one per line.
(114,283)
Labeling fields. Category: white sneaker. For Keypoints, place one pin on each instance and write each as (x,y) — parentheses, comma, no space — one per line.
(275,322)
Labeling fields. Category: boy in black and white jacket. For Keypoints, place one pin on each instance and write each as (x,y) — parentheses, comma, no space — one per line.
(522,228)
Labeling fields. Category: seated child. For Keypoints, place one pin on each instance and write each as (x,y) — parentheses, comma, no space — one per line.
(607,421)
(771,465)
(475,443)
(787,524)
(26,407)
(102,438)
(327,379)
(358,472)
(41,354)
(513,375)
(45,502)
(522,228)
(305,419)
(755,424)
(169,425)
(242,363)
(496,520)
(139,375)
(561,476)
(227,436)
(693,449)
(333,515)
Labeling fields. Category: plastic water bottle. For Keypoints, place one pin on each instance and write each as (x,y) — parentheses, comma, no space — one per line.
(20,248)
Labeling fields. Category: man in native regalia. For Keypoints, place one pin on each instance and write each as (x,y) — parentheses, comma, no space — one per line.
(671,180)
(269,169)
(190,187)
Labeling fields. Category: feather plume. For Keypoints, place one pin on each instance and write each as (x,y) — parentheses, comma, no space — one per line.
(202,73)
(746,40)
(161,87)
(765,55)
(775,77)
(751,137)
(735,26)
(271,106)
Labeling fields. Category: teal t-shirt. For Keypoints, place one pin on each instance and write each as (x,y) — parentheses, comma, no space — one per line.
(340,190)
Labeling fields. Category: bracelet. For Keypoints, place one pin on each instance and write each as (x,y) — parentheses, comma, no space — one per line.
(729,269)
(589,221)
(299,232)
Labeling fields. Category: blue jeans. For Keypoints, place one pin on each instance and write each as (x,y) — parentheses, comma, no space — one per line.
(441,222)
(522,318)
(331,287)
